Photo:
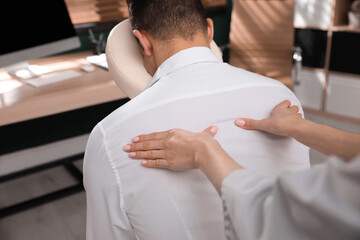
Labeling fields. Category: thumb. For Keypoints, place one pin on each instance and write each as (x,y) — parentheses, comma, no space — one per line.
(248,124)
(212,130)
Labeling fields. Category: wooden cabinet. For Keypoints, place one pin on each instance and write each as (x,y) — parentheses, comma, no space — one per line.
(343,95)
(310,90)
(331,52)
(313,13)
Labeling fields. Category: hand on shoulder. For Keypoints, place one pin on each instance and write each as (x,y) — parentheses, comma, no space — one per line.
(174,149)
(283,120)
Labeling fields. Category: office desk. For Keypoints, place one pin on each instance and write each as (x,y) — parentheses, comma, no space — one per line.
(26,102)
(29,114)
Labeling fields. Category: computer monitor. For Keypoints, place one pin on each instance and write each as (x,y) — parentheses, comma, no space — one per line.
(33,29)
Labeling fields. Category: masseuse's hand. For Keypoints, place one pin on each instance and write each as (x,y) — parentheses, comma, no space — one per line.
(174,149)
(286,121)
(283,119)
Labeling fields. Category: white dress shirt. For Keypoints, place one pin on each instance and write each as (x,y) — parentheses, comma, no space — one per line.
(190,90)
(319,203)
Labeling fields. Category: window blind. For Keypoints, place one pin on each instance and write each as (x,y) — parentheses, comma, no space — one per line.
(90,11)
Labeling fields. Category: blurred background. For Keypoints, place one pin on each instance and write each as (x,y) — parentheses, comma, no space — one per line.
(312,46)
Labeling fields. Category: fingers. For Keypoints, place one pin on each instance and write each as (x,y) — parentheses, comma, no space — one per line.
(142,146)
(248,124)
(212,130)
(152,154)
(151,141)
(287,104)
(157,163)
(294,108)
(155,141)
(284,104)
(151,136)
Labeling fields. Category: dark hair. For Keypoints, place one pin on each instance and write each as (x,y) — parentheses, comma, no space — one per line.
(165,19)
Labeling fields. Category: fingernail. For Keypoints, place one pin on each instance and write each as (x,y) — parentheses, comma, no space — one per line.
(144,162)
(127,147)
(240,122)
(214,129)
(136,139)
(132,154)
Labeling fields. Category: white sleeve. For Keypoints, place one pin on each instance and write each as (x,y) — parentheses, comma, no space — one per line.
(319,203)
(105,217)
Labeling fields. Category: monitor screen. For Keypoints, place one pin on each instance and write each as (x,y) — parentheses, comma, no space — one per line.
(34,29)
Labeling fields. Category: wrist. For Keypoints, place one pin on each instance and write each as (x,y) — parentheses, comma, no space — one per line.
(203,148)
(212,158)
(215,163)
(296,128)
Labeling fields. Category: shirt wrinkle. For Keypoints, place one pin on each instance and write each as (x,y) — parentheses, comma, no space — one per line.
(186,228)
(113,167)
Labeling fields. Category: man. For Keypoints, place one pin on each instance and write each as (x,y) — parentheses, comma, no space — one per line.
(191,89)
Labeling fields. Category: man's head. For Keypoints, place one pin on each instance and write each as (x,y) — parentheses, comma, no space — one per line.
(164,27)
(165,19)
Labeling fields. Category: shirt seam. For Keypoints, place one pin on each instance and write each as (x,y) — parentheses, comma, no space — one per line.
(112,165)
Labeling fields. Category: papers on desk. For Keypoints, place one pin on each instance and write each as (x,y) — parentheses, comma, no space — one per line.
(99,60)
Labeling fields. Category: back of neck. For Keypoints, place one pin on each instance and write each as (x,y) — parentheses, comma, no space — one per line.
(165,49)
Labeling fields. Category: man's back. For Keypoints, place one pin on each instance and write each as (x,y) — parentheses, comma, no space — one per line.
(194,90)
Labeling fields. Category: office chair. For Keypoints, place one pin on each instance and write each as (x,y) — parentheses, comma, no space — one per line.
(125,61)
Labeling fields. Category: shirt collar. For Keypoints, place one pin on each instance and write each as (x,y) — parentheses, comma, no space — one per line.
(181,59)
